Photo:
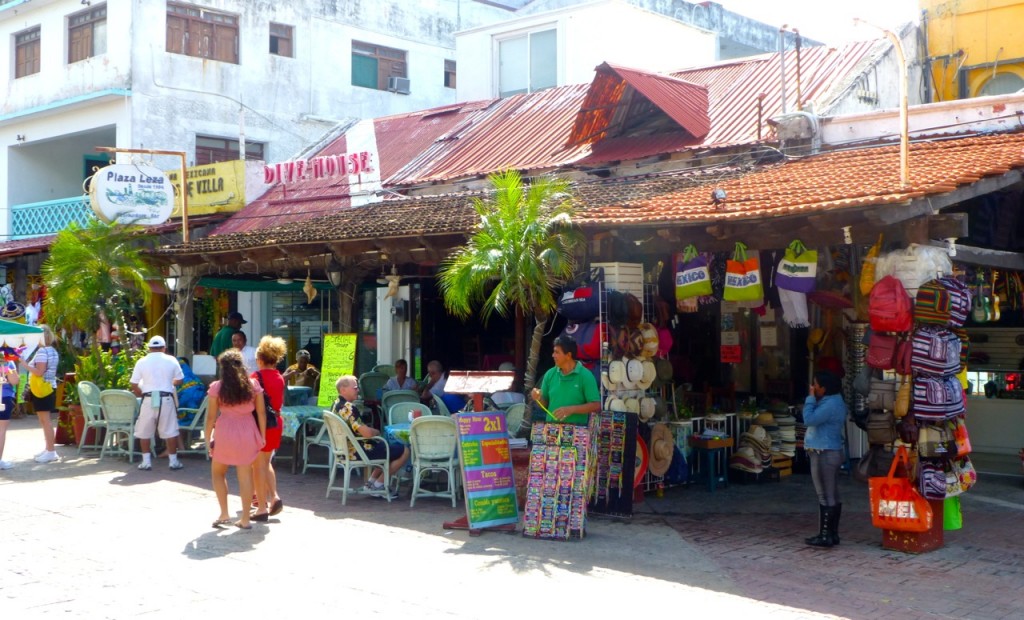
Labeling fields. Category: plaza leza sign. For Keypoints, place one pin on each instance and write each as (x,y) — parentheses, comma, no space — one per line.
(131,194)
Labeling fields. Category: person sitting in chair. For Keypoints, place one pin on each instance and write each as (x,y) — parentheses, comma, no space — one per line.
(348,391)
(434,386)
(302,372)
(401,380)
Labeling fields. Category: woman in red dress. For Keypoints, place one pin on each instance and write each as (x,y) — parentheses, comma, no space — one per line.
(269,352)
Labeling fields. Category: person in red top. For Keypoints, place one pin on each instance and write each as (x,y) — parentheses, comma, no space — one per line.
(269,352)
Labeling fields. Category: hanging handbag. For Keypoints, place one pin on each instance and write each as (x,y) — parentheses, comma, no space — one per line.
(901,358)
(743,277)
(38,384)
(931,478)
(798,269)
(902,405)
(908,429)
(958,430)
(268,408)
(882,394)
(693,278)
(580,300)
(895,503)
(881,428)
(933,442)
(881,351)
(965,471)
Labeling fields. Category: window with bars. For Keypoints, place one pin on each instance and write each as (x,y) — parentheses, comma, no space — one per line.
(87,34)
(372,65)
(195,31)
(281,40)
(210,150)
(26,52)
(449,74)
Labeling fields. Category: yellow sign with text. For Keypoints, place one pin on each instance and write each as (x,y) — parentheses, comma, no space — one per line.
(213,188)
(339,359)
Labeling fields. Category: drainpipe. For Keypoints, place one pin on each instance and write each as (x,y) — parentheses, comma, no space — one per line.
(782,63)
(904,125)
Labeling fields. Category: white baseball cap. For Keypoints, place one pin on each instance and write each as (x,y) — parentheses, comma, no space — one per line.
(157,342)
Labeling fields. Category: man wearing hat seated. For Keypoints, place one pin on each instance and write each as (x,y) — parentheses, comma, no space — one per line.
(154,378)
(222,341)
(568,392)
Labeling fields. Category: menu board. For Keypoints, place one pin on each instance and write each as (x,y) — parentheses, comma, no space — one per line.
(486,469)
(339,359)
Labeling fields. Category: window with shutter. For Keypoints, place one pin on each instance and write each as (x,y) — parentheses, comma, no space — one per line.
(196,31)
(26,53)
(281,40)
(372,65)
(87,33)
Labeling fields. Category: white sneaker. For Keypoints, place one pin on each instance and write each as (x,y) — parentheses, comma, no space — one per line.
(6,464)
(145,466)
(47,457)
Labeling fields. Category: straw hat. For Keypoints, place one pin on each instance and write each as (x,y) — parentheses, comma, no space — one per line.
(616,371)
(634,371)
(606,381)
(632,405)
(648,408)
(650,373)
(662,444)
(745,459)
(664,368)
(650,335)
(617,404)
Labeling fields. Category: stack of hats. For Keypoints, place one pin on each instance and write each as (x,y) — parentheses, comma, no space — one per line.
(787,433)
(767,420)
(754,451)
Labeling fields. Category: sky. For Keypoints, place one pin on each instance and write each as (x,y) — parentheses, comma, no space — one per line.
(829,21)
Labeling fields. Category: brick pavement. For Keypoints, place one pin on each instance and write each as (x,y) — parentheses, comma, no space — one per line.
(89,539)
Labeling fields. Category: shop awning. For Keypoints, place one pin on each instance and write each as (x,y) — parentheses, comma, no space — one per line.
(231,284)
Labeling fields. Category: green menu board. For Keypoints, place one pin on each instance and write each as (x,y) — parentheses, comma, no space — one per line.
(339,359)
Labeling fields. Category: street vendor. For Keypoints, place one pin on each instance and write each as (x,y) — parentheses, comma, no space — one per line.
(568,391)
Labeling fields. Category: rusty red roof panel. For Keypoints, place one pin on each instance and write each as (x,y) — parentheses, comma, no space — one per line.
(684,102)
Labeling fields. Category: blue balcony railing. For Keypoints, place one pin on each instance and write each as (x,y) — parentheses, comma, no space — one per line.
(37,219)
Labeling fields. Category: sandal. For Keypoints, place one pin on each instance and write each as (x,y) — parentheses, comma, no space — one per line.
(243,526)
(220,523)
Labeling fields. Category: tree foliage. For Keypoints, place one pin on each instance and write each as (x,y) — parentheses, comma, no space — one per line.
(98,266)
(521,253)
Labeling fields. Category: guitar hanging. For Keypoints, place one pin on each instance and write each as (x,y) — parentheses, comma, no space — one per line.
(979,311)
(995,315)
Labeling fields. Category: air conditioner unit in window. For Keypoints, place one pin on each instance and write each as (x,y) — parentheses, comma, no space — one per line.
(398,85)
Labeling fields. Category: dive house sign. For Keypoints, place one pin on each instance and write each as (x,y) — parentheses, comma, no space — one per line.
(131,194)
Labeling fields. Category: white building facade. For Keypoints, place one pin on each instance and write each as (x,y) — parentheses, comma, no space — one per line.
(203,77)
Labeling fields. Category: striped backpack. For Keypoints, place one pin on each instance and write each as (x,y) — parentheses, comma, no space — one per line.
(937,398)
(935,351)
(959,300)
(932,304)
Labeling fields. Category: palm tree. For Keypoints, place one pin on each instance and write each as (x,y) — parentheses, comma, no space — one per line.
(521,253)
(91,268)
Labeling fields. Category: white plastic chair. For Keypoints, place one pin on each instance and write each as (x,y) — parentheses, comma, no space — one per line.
(120,409)
(316,439)
(399,412)
(387,369)
(187,432)
(92,411)
(442,408)
(432,440)
(349,454)
(391,397)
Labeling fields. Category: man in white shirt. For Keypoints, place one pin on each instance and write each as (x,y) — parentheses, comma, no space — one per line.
(155,378)
(239,341)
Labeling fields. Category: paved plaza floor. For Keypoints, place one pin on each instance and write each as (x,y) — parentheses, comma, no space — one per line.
(84,538)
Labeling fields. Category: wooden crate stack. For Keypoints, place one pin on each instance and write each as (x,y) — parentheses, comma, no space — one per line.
(784,464)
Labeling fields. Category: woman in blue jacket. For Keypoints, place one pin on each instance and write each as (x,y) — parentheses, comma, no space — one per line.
(825,416)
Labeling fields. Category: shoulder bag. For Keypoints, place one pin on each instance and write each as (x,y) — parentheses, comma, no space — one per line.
(895,503)
(271,412)
(38,384)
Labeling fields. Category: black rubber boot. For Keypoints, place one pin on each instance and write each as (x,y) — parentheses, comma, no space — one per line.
(822,525)
(824,537)
(837,512)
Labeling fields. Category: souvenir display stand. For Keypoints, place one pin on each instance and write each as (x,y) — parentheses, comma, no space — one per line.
(562,467)
(615,472)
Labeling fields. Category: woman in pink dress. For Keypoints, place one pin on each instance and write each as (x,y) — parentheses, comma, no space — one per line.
(235,438)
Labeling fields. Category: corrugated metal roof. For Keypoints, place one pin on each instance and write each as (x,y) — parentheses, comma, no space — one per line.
(684,102)
(530,131)
(823,183)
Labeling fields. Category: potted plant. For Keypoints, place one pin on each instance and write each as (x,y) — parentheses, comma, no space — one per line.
(109,371)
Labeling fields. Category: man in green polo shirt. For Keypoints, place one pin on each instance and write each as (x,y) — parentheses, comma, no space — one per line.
(568,391)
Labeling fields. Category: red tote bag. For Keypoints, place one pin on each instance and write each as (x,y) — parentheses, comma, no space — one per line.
(895,503)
